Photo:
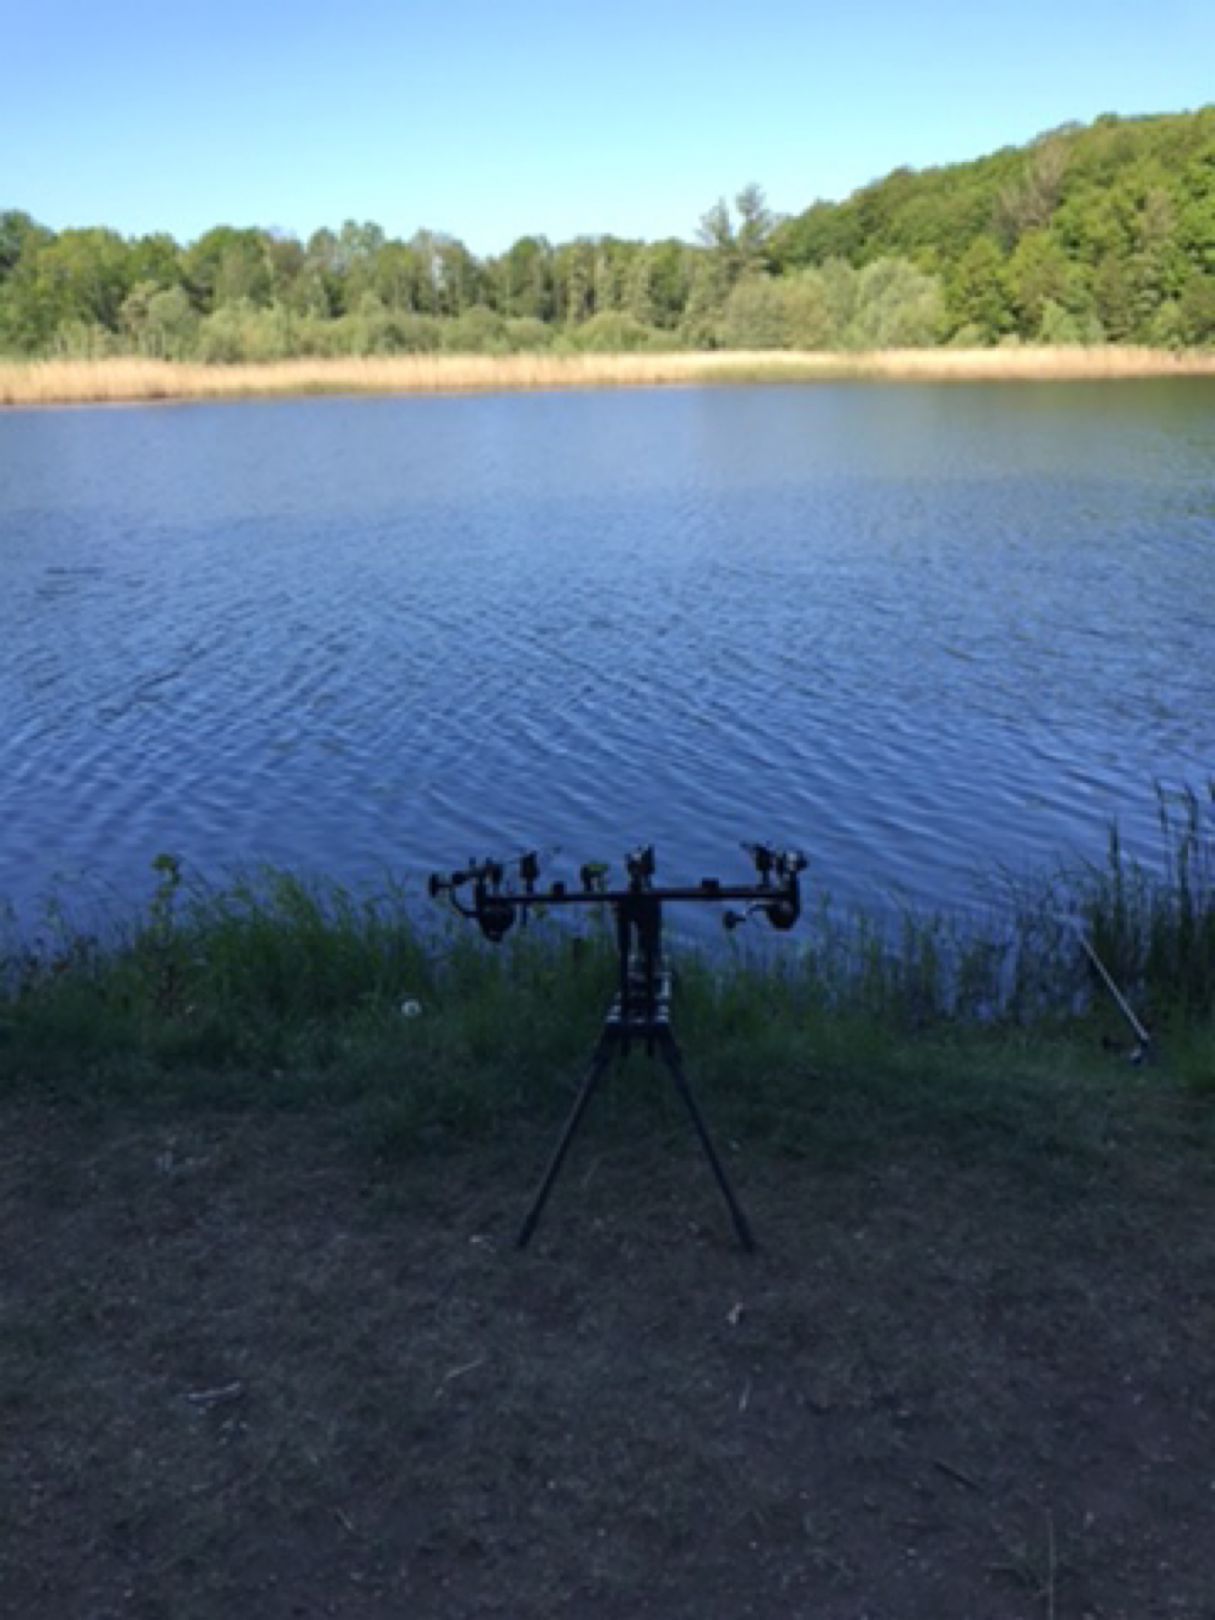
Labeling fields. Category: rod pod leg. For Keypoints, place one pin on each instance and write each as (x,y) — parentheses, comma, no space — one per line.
(668,1046)
(604,1054)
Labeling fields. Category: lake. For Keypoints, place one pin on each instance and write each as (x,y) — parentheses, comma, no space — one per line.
(923,631)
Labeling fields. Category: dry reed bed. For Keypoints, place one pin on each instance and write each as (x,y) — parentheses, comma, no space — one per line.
(81,382)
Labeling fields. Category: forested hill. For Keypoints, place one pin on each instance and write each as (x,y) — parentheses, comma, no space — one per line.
(1113,223)
(1085,235)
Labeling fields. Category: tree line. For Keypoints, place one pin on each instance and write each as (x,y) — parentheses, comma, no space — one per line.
(1094,234)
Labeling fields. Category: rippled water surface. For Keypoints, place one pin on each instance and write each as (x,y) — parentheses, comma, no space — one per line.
(920,630)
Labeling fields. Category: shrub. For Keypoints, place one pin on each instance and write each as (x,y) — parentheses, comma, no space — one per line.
(897,307)
(526,335)
(756,315)
(615,333)
(478,330)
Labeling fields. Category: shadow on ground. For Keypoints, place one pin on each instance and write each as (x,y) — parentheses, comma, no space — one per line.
(248,1371)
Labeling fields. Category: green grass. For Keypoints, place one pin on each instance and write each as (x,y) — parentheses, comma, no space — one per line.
(283,992)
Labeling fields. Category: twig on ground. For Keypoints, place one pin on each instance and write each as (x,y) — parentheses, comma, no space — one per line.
(216,1397)
(956,1473)
(459,1372)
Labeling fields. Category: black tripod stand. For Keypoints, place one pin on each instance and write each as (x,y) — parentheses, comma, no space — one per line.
(641,1010)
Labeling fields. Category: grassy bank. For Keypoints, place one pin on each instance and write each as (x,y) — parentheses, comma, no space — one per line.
(84,382)
(279,990)
(266,1346)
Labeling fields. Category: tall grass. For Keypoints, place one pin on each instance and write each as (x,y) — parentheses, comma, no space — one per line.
(1160,935)
(118,380)
(287,989)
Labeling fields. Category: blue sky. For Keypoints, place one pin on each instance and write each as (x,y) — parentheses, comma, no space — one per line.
(490,121)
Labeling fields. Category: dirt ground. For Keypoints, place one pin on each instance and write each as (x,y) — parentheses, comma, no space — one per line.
(246,1370)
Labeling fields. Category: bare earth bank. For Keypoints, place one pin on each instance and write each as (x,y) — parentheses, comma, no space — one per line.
(246,1369)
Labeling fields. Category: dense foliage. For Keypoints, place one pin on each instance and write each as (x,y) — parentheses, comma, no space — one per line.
(1086,235)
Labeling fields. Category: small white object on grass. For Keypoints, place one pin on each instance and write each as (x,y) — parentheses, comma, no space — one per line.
(411,1008)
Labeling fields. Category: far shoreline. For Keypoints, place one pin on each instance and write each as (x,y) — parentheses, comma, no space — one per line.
(127,380)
